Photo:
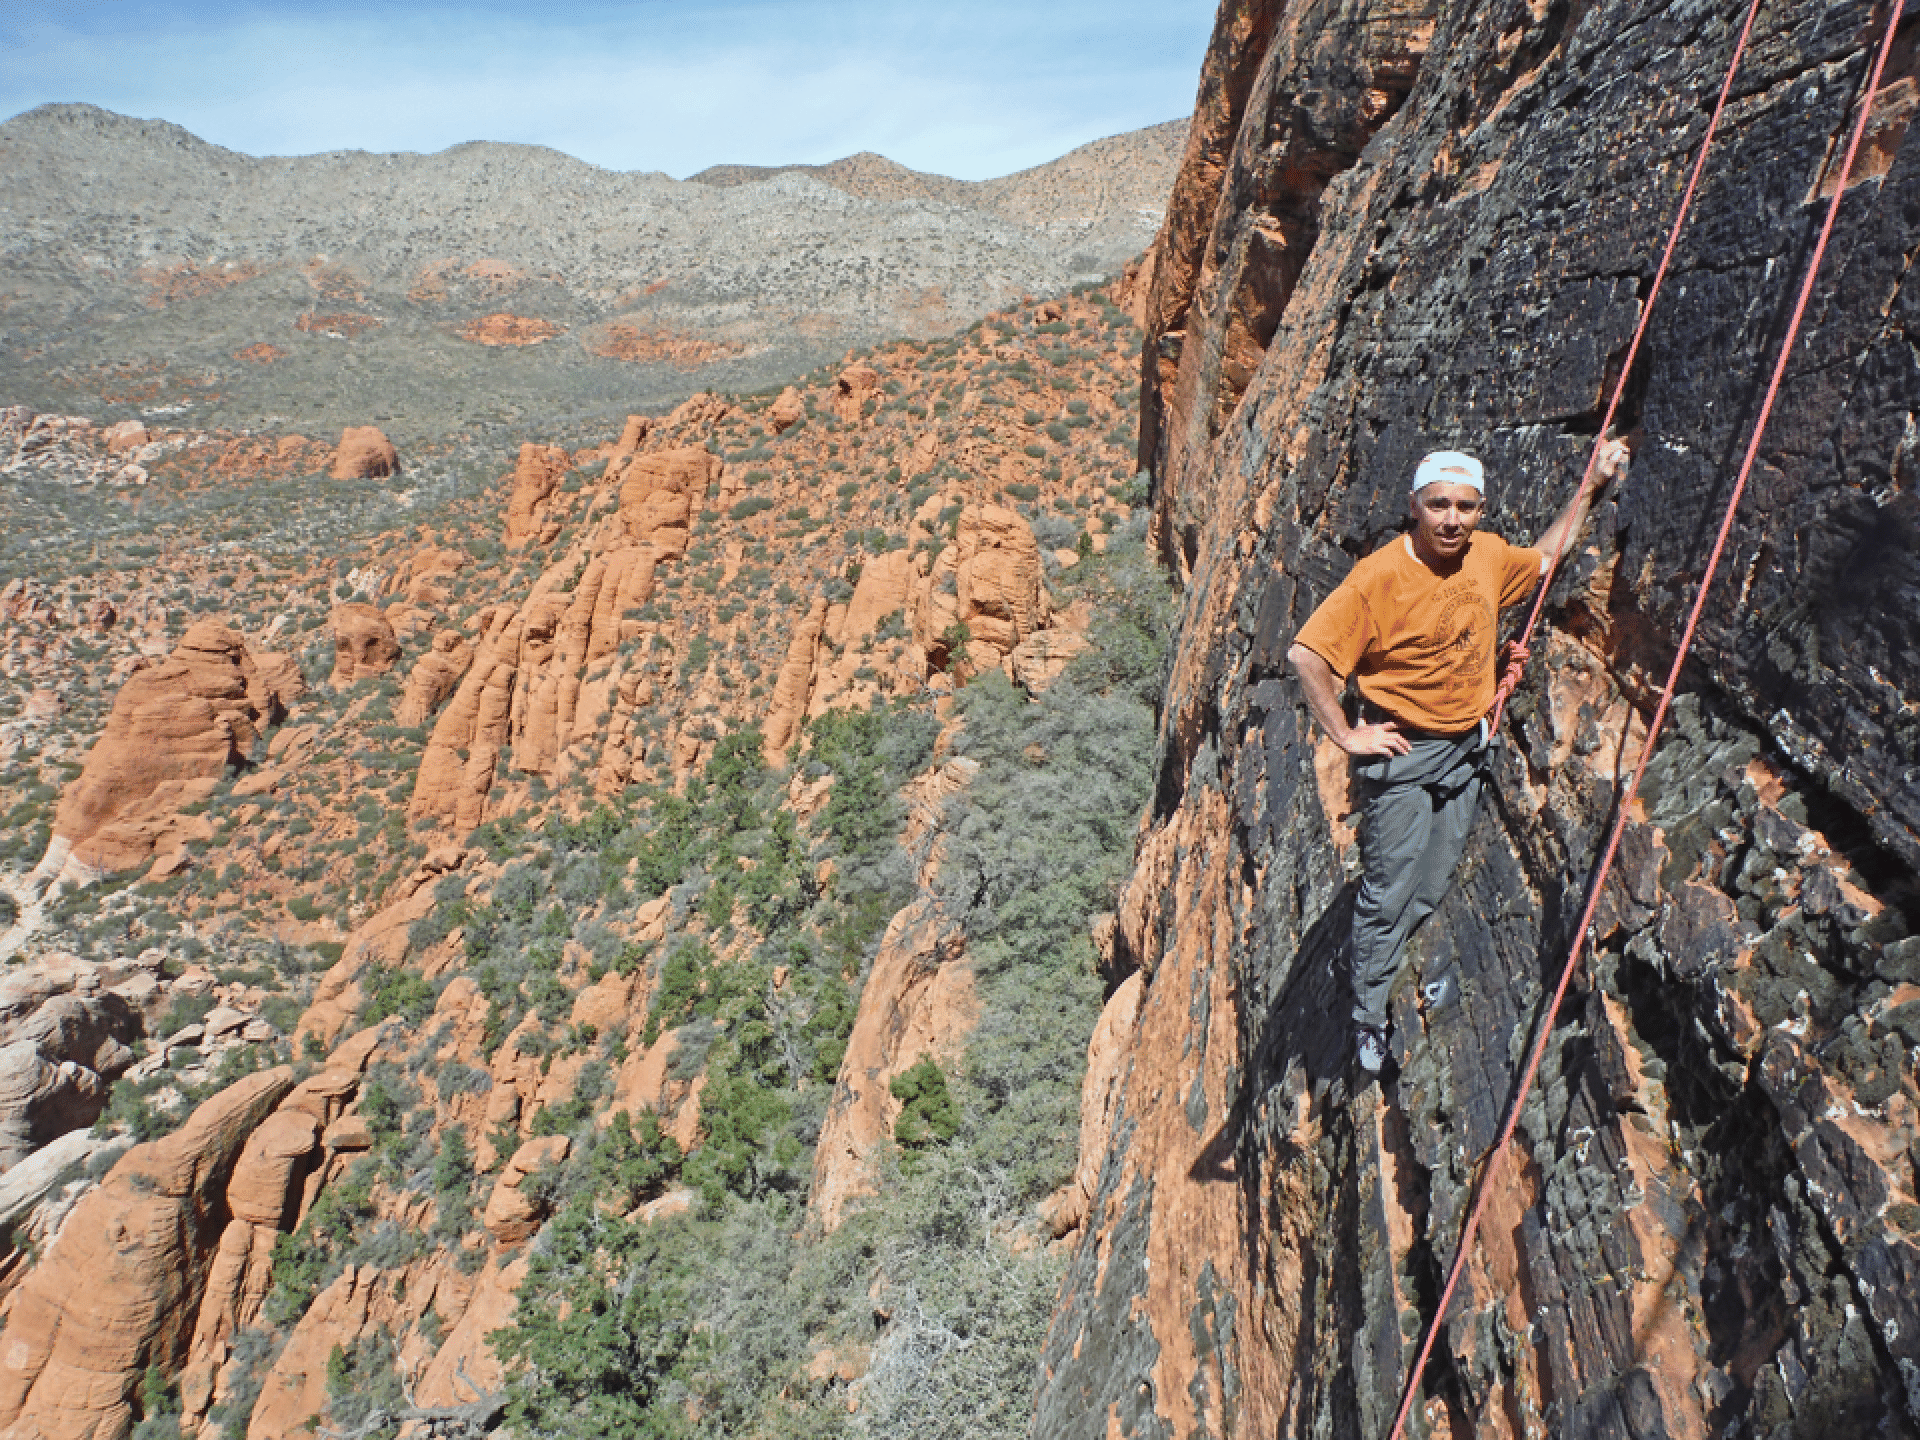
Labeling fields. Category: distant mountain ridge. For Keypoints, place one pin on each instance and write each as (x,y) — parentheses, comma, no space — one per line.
(227,283)
(1104,180)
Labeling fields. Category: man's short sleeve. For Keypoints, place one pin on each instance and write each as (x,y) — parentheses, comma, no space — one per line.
(1340,630)
(1521,569)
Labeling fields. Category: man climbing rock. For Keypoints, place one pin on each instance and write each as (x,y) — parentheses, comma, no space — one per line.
(1414,625)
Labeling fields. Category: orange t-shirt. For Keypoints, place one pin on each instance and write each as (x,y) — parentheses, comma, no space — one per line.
(1421,644)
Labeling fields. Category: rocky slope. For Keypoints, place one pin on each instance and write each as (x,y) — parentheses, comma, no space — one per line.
(474,871)
(148,270)
(1401,226)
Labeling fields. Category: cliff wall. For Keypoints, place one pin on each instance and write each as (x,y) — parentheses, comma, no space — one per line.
(1401,226)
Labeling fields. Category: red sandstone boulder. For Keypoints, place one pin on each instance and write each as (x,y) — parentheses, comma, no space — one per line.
(174,730)
(795,683)
(535,477)
(127,435)
(786,412)
(636,429)
(363,644)
(512,1214)
(856,385)
(280,676)
(434,677)
(364,453)
(662,492)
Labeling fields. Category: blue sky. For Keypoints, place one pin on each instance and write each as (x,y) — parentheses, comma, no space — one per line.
(971,90)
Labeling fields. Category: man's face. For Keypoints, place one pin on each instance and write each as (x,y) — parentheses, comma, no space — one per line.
(1443,519)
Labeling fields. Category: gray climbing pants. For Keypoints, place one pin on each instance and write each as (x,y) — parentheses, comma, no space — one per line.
(1417,810)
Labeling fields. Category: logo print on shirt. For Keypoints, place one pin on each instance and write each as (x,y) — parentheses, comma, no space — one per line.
(1465,636)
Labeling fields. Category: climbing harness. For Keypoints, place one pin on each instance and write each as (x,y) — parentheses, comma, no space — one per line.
(1624,808)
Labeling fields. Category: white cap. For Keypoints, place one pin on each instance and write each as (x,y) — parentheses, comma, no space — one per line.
(1449,467)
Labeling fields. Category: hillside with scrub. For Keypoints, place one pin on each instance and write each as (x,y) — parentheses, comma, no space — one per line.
(605,934)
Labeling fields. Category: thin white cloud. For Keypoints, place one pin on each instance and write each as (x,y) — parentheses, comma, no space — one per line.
(967,91)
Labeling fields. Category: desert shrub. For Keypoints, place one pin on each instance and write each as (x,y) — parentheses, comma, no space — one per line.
(448,913)
(621,1166)
(1055,532)
(753,505)
(1041,837)
(361,1378)
(306,1261)
(928,1114)
(184,1011)
(1035,847)
(398,991)
(601,1329)
(131,1108)
(1133,620)
(283,1012)
(160,1409)
(454,1078)
(967,1316)
(251,1360)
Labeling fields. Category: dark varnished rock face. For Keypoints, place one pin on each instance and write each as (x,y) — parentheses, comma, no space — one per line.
(1404,226)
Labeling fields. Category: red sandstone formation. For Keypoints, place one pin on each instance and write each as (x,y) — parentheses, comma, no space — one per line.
(503,329)
(336,325)
(435,676)
(535,478)
(856,386)
(590,672)
(176,728)
(794,685)
(511,1214)
(655,346)
(426,576)
(787,411)
(363,644)
(660,494)
(698,412)
(637,428)
(988,580)
(364,453)
(918,1002)
(122,1288)
(127,435)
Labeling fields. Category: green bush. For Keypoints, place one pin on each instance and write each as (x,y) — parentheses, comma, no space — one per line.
(308,1259)
(601,1331)
(751,506)
(399,992)
(362,1378)
(184,1011)
(928,1113)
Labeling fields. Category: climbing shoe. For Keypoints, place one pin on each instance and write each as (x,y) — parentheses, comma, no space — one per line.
(1370,1045)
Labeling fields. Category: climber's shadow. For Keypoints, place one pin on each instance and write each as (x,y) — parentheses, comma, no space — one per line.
(1300,1042)
(1307,1028)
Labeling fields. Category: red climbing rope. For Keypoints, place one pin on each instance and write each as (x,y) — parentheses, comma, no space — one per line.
(1510,680)
(1625,805)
